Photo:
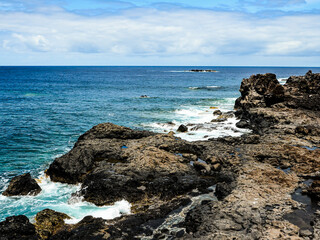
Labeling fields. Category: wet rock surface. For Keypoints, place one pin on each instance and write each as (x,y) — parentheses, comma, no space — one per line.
(22,185)
(17,228)
(257,177)
(49,222)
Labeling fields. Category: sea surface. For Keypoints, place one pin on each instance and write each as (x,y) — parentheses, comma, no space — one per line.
(43,110)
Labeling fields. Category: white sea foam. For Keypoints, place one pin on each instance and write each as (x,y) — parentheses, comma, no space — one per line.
(56,196)
(198,120)
(282,80)
(105,212)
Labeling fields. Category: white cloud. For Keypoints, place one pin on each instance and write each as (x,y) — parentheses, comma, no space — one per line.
(150,32)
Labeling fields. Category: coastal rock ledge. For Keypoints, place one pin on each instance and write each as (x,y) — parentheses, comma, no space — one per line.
(258,178)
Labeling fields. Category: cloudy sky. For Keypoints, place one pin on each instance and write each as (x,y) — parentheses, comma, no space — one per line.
(151,32)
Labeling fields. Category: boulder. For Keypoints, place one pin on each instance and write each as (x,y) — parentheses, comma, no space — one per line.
(17,228)
(182,128)
(49,222)
(22,185)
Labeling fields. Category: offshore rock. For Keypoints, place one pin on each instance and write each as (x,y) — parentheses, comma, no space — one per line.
(182,128)
(49,222)
(17,228)
(22,185)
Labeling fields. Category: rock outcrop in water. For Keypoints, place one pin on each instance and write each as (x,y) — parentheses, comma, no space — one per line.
(255,175)
(49,222)
(22,185)
(115,163)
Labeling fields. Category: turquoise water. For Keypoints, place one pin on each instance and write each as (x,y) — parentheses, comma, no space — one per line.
(43,110)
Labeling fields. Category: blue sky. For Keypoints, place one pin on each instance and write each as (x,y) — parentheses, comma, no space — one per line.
(150,32)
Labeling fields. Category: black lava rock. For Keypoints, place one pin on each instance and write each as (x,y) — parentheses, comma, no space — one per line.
(22,185)
(17,228)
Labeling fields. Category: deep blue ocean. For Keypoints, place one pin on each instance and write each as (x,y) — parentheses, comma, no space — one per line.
(43,110)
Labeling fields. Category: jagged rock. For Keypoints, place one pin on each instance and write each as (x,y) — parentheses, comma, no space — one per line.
(17,228)
(114,169)
(88,228)
(22,185)
(153,171)
(182,128)
(103,142)
(49,222)
(261,90)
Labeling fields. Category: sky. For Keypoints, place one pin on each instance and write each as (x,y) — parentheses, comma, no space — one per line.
(160,32)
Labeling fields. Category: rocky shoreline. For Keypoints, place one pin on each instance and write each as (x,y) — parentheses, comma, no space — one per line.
(262,185)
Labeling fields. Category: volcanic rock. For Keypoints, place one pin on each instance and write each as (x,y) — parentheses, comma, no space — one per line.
(88,228)
(129,166)
(22,185)
(254,174)
(182,128)
(49,222)
(17,228)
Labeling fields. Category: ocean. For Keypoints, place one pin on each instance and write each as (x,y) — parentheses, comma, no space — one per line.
(43,110)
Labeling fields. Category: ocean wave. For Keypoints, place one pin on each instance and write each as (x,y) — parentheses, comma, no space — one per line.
(57,196)
(282,81)
(198,120)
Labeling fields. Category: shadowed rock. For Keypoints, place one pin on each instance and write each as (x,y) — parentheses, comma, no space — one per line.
(182,128)
(22,185)
(88,228)
(17,228)
(129,165)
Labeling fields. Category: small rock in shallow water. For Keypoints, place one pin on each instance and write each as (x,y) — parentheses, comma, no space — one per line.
(182,128)
(22,185)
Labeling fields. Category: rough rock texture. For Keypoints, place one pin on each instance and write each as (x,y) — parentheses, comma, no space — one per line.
(88,228)
(255,175)
(128,166)
(17,228)
(268,164)
(49,222)
(22,185)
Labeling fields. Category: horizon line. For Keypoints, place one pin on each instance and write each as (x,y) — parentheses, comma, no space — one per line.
(157,66)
